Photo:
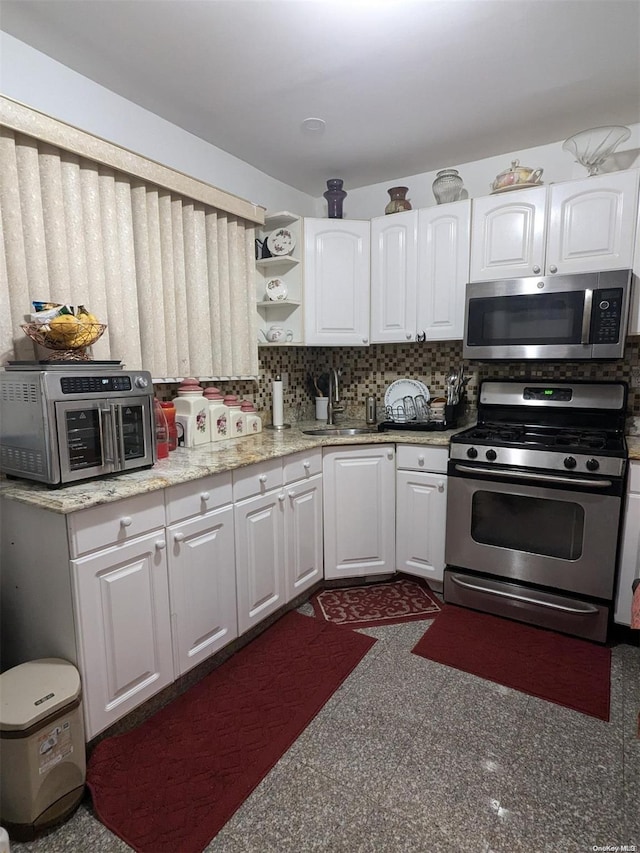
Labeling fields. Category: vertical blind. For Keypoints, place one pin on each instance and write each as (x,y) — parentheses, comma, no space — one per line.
(172,277)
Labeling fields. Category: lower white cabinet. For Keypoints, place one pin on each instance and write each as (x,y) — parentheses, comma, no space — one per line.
(303,535)
(260,557)
(421,506)
(359,511)
(124,629)
(630,550)
(202,585)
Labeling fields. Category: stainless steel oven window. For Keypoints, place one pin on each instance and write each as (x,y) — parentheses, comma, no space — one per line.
(528,524)
(134,419)
(83,434)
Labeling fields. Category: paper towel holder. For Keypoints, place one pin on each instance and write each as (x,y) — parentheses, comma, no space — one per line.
(279,426)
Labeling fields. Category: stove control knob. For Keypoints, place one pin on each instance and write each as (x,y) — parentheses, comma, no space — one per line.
(491,455)
(570,462)
(472,453)
(592,464)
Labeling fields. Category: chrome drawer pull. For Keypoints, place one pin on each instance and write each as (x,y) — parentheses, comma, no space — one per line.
(581,611)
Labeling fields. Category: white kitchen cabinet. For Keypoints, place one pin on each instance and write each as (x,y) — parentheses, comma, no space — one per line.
(259,509)
(394,277)
(419,270)
(421,507)
(336,282)
(276,276)
(201,562)
(634,310)
(444,245)
(122,609)
(304,565)
(359,511)
(629,568)
(574,226)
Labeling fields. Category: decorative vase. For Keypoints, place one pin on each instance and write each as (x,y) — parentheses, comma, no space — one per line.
(447,186)
(335,195)
(398,201)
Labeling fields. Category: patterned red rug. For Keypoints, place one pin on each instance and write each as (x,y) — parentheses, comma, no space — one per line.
(173,782)
(565,670)
(390,603)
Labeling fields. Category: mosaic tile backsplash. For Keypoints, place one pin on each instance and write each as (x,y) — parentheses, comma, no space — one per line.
(370,370)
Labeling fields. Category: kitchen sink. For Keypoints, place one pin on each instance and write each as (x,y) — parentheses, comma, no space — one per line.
(340,431)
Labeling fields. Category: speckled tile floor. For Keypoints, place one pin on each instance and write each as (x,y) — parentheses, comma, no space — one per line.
(411,756)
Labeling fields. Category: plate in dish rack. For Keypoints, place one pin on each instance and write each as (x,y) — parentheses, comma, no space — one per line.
(404,388)
(281,242)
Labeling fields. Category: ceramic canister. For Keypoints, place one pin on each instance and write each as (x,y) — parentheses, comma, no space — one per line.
(192,412)
(253,421)
(218,414)
(236,418)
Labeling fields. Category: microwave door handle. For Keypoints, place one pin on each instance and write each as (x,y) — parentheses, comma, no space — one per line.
(586,317)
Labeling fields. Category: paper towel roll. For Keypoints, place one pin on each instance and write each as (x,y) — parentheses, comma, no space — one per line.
(278,404)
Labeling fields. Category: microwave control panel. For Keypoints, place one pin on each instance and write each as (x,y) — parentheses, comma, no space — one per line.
(606,316)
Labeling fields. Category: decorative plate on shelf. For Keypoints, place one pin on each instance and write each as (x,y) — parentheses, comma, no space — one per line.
(276,290)
(281,242)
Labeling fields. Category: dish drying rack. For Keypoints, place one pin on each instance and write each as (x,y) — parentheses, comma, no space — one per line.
(415,414)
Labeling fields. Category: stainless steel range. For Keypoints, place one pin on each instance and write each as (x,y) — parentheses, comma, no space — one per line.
(534,504)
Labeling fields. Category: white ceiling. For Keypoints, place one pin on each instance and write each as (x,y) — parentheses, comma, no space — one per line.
(404,86)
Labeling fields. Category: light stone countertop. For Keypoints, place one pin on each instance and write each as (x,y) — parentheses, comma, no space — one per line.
(185,465)
(633,443)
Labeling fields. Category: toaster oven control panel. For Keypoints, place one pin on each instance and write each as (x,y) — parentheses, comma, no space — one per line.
(94,384)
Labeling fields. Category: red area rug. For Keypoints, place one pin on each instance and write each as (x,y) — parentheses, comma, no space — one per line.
(390,603)
(565,670)
(172,783)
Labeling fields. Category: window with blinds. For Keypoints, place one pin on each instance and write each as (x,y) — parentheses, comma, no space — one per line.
(171,275)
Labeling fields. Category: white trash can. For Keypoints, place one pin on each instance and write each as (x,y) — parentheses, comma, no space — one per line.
(42,747)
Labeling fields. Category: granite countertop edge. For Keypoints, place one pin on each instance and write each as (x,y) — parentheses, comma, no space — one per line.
(186,465)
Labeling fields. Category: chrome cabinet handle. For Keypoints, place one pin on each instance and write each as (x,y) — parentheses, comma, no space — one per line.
(281,497)
(421,459)
(441,485)
(536,269)
(126,521)
(306,465)
(365,340)
(262,478)
(389,454)
(178,537)
(409,336)
(204,496)
(553,268)
(292,495)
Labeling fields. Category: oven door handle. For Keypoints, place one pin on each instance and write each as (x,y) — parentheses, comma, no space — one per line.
(586,609)
(539,478)
(115,416)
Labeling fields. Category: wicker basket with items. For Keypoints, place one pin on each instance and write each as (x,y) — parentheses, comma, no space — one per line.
(67,332)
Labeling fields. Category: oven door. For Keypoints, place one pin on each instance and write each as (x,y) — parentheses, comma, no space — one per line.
(544,529)
(100,437)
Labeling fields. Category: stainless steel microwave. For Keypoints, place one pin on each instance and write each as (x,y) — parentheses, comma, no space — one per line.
(61,424)
(564,317)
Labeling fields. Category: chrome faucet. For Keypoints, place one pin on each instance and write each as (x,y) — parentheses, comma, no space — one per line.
(333,403)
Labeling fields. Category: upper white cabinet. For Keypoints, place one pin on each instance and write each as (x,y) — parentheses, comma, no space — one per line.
(394,277)
(507,235)
(336,282)
(419,268)
(279,285)
(575,226)
(444,237)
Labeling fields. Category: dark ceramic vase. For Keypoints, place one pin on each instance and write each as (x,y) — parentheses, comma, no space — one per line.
(335,195)
(399,201)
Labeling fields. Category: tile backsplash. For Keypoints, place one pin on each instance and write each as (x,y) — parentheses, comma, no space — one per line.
(370,370)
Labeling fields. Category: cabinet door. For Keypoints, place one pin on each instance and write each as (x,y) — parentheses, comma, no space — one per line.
(394,263)
(630,552)
(508,235)
(592,223)
(303,535)
(359,511)
(122,611)
(202,585)
(421,504)
(336,282)
(260,557)
(444,245)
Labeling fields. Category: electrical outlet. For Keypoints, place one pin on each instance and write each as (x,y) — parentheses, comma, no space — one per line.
(635,377)
(285,379)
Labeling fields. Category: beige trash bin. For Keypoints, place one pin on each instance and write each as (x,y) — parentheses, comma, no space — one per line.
(42,748)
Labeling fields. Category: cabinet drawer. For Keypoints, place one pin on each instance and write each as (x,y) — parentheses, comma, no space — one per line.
(114,523)
(198,497)
(634,477)
(415,457)
(257,479)
(301,466)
